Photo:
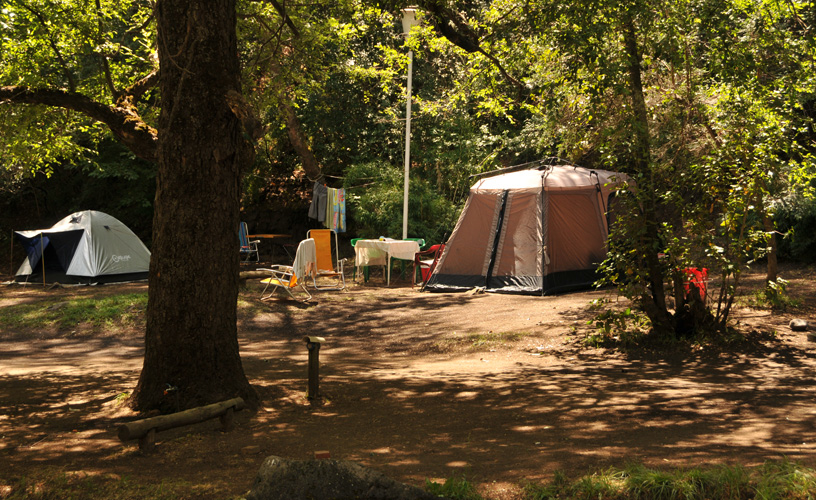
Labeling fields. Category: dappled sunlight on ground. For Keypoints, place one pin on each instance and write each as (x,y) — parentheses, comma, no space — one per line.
(419,386)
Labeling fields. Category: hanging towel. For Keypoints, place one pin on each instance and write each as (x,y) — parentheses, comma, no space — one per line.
(339,215)
(329,208)
(317,210)
(336,210)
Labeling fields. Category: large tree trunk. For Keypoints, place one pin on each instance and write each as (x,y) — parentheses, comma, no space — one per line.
(191,344)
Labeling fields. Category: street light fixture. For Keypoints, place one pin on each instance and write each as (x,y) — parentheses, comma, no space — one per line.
(408,21)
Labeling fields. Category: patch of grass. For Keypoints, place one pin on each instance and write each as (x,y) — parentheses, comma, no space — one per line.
(104,311)
(455,488)
(478,341)
(773,296)
(615,328)
(491,338)
(250,308)
(79,485)
(785,479)
(772,480)
(121,398)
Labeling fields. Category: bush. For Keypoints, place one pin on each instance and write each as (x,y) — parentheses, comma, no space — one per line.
(374,201)
(796,218)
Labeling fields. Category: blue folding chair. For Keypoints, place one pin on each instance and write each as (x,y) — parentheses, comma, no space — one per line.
(248,247)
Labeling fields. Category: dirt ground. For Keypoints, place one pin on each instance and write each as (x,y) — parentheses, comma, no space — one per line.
(419,386)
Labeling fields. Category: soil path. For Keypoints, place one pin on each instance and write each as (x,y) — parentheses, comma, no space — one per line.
(417,385)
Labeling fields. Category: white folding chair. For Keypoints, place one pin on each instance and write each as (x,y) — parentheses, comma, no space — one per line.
(291,277)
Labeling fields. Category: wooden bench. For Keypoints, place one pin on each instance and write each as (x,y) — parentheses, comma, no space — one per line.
(145,429)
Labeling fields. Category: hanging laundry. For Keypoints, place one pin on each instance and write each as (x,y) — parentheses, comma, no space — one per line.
(336,210)
(317,210)
(339,219)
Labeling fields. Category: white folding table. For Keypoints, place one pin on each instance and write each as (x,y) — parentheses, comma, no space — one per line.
(380,253)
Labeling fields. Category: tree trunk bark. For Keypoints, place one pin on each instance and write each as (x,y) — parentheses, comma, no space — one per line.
(655,306)
(773,266)
(300,143)
(191,341)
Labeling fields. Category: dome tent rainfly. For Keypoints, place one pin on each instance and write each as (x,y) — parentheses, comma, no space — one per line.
(85,247)
(532,229)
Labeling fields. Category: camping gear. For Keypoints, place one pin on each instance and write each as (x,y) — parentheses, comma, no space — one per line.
(541,230)
(290,277)
(426,261)
(85,247)
(327,266)
(697,278)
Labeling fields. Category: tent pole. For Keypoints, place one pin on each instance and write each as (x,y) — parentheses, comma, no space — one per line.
(42,257)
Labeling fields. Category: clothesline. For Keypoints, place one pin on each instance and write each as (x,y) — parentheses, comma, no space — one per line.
(329,207)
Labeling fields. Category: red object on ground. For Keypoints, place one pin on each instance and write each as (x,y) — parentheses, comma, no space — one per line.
(697,278)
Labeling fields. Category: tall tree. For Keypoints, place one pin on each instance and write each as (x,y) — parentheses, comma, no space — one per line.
(201,143)
(191,340)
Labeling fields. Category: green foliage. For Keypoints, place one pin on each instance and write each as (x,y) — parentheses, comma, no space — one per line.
(617,328)
(795,217)
(92,48)
(375,201)
(774,296)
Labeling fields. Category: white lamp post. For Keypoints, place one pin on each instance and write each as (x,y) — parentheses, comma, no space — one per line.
(408,21)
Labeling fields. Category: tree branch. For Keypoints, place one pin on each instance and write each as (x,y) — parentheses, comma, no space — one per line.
(288,20)
(45,25)
(138,89)
(453,26)
(299,142)
(123,121)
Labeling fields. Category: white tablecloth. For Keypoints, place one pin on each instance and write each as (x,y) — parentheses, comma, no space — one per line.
(380,253)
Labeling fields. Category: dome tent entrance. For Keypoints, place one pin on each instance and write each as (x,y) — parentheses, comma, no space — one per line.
(540,230)
(85,247)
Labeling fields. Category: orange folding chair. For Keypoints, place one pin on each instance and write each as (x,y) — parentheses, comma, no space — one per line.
(329,264)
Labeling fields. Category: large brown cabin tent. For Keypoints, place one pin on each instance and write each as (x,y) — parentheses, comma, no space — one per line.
(537,231)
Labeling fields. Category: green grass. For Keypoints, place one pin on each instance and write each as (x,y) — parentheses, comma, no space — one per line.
(773,480)
(455,488)
(104,311)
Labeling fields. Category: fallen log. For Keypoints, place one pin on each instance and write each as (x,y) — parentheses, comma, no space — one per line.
(145,429)
(245,275)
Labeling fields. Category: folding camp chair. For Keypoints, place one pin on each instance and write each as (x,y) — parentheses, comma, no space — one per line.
(248,247)
(327,266)
(426,261)
(290,277)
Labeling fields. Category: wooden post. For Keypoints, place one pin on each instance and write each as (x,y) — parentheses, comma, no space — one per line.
(313,345)
(147,442)
(227,419)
